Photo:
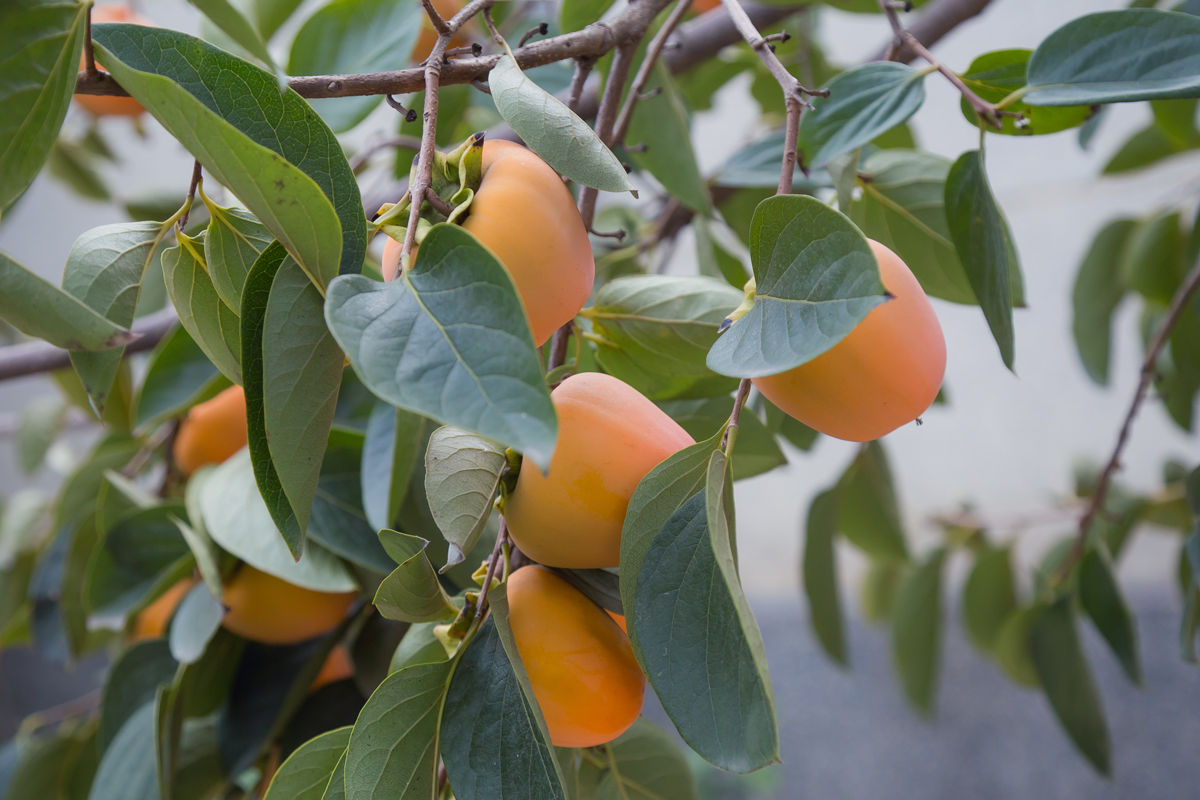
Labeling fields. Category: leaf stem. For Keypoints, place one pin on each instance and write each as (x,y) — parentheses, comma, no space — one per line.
(493,562)
(653,51)
(731,429)
(1179,305)
(89,49)
(191,194)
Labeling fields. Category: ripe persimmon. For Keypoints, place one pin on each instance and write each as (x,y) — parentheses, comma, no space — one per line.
(524,214)
(580,664)
(103,106)
(619,619)
(884,374)
(337,667)
(212,431)
(609,437)
(266,609)
(151,623)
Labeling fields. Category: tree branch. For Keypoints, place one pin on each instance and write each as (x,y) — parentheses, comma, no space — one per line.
(31,358)
(936,19)
(643,74)
(1179,305)
(605,118)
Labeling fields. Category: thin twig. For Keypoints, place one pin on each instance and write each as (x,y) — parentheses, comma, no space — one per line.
(191,195)
(540,30)
(89,49)
(436,20)
(606,118)
(643,74)
(583,68)
(1179,305)
(791,138)
(493,562)
(481,86)
(558,345)
(791,87)
(902,36)
(409,114)
(439,205)
(738,401)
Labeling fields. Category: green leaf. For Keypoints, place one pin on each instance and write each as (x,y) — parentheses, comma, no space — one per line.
(39,308)
(299,382)
(863,102)
(793,430)
(700,647)
(284,165)
(39,59)
(194,624)
(1063,671)
(338,522)
(448,339)
(657,497)
(578,14)
(989,598)
(1151,263)
(1099,289)
(132,683)
(268,15)
(662,323)
(983,245)
(648,765)
(1104,602)
(816,280)
(819,570)
(903,207)
(756,452)
(412,593)
(74,166)
(393,750)
(213,326)
(230,20)
(491,718)
(335,789)
(419,646)
(306,772)
(462,476)
(128,769)
(44,769)
(178,376)
(1117,57)
(917,631)
(234,241)
(868,514)
(993,76)
(41,422)
(348,37)
(553,131)
(389,457)
(757,166)
(661,124)
(238,520)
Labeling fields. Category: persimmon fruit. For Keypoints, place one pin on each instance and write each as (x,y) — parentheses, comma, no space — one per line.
(580,664)
(151,623)
(100,105)
(212,431)
(337,667)
(609,437)
(884,374)
(266,609)
(524,214)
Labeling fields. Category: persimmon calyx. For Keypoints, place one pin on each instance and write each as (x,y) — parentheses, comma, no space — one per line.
(743,307)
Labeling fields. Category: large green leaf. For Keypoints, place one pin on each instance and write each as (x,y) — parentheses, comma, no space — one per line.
(178,376)
(661,124)
(994,75)
(412,593)
(757,166)
(1117,57)
(306,772)
(819,570)
(983,245)
(578,14)
(39,59)
(1099,288)
(491,718)
(389,457)
(903,207)
(335,789)
(448,339)
(213,326)
(706,664)
(644,764)
(917,631)
(128,769)
(39,308)
(868,514)
(863,102)
(271,150)
(347,37)
(757,450)
(139,554)
(393,750)
(664,489)
(338,522)
(234,241)
(268,15)
(1062,668)
(237,519)
(553,131)
(1104,602)
(816,280)
(462,476)
(989,597)
(132,682)
(234,24)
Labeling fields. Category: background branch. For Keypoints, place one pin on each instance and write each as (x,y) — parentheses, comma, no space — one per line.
(31,358)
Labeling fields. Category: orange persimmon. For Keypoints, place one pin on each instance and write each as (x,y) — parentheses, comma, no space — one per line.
(266,609)
(151,623)
(100,105)
(212,431)
(580,664)
(884,374)
(609,437)
(337,667)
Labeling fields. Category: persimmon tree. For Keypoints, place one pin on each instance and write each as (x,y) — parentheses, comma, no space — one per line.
(423,520)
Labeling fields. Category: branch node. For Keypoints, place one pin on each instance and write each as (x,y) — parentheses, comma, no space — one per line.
(481,86)
(435,18)
(619,235)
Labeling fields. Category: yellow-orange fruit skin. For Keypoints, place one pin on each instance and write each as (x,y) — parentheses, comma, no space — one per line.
(700,6)
(884,374)
(580,664)
(152,622)
(337,667)
(619,619)
(111,106)
(524,214)
(266,609)
(609,437)
(212,431)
